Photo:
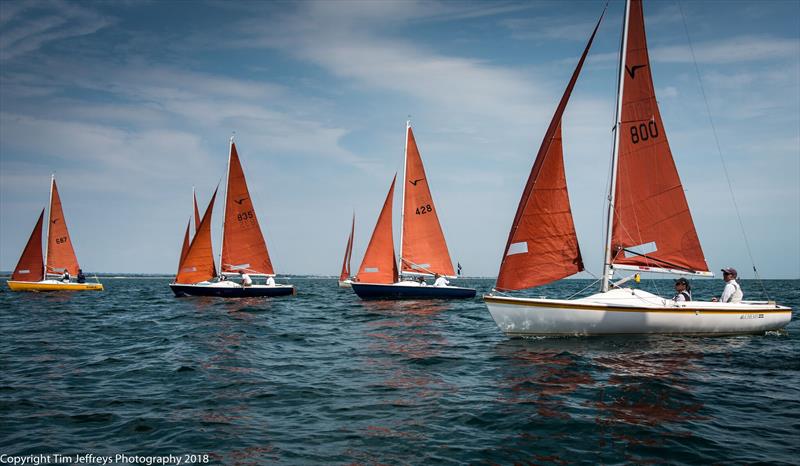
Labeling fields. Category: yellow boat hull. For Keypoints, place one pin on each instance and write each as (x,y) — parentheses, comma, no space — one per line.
(52,285)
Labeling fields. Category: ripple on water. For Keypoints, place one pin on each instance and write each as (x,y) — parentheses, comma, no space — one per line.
(324,378)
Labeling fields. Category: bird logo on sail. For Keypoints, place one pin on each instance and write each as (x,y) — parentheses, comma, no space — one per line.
(239,201)
(414,182)
(632,70)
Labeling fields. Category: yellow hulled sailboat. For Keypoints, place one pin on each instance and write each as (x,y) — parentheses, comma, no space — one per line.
(32,270)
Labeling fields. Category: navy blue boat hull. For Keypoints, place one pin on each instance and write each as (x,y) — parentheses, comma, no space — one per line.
(231,292)
(380,291)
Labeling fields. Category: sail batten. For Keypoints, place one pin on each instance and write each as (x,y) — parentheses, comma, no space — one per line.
(243,242)
(650,206)
(60,253)
(422,237)
(542,245)
(380,263)
(30,267)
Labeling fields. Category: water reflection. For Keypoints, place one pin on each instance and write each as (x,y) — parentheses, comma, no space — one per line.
(404,345)
(622,384)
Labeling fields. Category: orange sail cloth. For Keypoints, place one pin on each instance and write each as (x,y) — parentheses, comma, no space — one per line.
(196,213)
(424,249)
(198,264)
(60,254)
(185,247)
(542,246)
(30,267)
(348,253)
(652,224)
(380,264)
(243,245)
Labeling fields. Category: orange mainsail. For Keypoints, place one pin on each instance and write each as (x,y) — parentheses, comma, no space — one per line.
(198,264)
(60,254)
(652,224)
(380,264)
(542,245)
(423,248)
(348,252)
(30,267)
(243,245)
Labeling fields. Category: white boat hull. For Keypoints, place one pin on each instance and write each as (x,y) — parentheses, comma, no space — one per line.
(346,283)
(627,311)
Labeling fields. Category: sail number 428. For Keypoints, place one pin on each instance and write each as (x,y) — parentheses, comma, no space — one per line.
(424,209)
(643,132)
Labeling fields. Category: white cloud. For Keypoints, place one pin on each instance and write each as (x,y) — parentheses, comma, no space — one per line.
(57,20)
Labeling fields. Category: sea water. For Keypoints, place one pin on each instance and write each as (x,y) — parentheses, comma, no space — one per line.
(326,378)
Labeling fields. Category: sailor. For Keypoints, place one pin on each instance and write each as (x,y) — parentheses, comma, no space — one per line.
(270,281)
(440,281)
(81,276)
(732,293)
(65,277)
(421,281)
(246,280)
(683,291)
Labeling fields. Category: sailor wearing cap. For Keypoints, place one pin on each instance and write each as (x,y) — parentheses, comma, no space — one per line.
(683,290)
(732,292)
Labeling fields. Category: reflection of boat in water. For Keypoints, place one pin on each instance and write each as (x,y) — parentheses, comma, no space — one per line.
(33,269)
(243,247)
(423,250)
(649,228)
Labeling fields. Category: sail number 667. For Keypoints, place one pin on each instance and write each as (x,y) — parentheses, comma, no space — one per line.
(643,132)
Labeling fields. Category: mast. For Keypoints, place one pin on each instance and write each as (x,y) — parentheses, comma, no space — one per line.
(403,205)
(612,188)
(225,204)
(50,213)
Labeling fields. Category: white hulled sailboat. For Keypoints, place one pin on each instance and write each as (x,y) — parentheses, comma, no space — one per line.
(649,229)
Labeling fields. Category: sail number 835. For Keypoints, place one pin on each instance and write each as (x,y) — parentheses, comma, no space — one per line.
(424,209)
(244,216)
(643,132)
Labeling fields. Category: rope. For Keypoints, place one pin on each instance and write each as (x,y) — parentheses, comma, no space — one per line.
(719,151)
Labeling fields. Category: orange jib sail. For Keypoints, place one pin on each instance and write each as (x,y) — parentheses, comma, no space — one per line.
(423,249)
(379,264)
(185,247)
(60,254)
(196,213)
(652,224)
(198,264)
(243,245)
(30,267)
(542,245)
(348,253)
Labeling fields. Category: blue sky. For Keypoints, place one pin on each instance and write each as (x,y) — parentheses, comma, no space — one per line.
(132,103)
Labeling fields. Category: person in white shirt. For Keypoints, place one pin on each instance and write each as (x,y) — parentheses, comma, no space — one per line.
(682,290)
(732,293)
(440,281)
(246,280)
(270,281)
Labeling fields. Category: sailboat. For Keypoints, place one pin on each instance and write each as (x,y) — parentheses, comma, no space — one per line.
(33,269)
(344,277)
(649,229)
(243,247)
(423,250)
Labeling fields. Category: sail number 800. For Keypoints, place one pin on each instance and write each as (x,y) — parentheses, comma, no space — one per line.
(643,132)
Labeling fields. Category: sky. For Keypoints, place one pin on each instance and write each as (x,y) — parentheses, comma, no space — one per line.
(132,103)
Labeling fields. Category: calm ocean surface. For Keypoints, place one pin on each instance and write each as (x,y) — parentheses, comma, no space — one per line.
(325,378)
